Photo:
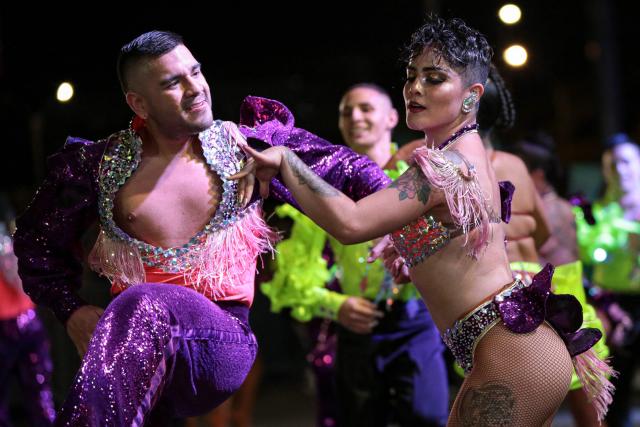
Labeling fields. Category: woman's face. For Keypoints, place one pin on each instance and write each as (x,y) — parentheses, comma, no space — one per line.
(433,92)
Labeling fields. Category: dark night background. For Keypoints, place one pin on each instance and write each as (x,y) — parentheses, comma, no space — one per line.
(581,82)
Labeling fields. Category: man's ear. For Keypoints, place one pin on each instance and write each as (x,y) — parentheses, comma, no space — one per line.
(392,120)
(137,103)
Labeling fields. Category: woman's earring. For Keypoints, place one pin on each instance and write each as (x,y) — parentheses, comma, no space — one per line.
(469,102)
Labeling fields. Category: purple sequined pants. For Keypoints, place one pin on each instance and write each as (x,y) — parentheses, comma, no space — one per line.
(24,350)
(160,351)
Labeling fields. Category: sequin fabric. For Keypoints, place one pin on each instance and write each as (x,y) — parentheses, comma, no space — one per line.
(420,239)
(160,351)
(270,121)
(122,159)
(465,333)
(24,353)
(522,307)
(47,239)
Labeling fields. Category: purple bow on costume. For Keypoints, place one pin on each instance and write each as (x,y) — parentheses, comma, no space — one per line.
(524,309)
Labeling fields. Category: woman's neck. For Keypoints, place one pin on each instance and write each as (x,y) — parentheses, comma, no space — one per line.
(436,137)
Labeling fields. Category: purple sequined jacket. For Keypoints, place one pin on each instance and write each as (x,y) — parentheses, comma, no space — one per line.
(47,240)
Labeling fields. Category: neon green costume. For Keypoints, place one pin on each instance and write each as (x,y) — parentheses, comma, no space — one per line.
(606,247)
(301,272)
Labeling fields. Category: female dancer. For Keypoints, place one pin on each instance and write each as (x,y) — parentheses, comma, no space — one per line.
(443,214)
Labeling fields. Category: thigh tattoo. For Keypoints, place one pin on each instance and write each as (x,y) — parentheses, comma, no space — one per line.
(489,405)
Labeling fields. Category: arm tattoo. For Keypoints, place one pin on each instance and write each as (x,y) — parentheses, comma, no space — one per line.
(490,405)
(411,185)
(307,177)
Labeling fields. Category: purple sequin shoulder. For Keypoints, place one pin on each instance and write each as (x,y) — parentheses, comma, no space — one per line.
(47,239)
(272,123)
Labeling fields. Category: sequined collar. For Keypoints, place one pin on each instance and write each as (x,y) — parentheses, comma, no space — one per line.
(122,158)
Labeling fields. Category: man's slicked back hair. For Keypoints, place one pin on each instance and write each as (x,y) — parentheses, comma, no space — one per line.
(150,45)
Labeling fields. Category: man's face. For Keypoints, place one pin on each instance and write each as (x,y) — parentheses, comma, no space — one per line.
(626,161)
(366,118)
(174,94)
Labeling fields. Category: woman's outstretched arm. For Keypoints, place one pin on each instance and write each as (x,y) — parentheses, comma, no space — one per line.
(350,222)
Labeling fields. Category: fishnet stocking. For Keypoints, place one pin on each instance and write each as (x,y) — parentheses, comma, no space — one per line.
(517,380)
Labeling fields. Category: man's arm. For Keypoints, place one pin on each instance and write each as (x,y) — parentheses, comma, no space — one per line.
(268,123)
(47,238)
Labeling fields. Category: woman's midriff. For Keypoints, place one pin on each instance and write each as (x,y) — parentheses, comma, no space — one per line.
(452,286)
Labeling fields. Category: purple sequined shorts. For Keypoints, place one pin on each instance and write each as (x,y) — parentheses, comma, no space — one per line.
(522,307)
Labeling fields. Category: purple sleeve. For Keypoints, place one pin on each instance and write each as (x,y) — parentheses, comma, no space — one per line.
(47,238)
(269,123)
(506,197)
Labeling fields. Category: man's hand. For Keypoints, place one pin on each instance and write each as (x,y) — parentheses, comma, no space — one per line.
(359,315)
(81,325)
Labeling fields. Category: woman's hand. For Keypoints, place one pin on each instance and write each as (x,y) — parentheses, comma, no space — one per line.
(391,259)
(264,166)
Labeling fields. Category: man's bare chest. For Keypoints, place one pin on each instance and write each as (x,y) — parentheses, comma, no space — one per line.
(182,196)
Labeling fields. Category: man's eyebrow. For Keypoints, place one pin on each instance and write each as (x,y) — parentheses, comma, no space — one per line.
(173,77)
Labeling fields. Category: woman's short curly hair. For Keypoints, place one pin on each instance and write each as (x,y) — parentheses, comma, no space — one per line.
(463,48)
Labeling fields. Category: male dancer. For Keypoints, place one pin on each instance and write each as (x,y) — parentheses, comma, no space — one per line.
(176,243)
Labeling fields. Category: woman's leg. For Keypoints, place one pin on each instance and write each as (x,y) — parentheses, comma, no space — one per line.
(517,380)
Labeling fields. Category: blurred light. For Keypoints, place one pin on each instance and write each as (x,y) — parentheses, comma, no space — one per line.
(510,14)
(599,254)
(515,55)
(64,92)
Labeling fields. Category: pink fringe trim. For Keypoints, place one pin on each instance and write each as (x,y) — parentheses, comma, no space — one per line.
(227,255)
(116,260)
(594,375)
(465,198)
(225,260)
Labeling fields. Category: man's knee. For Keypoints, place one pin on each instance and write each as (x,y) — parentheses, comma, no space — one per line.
(140,302)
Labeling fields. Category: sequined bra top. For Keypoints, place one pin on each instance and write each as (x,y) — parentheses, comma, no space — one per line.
(469,207)
(421,238)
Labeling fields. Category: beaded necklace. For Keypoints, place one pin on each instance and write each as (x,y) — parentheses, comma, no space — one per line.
(472,128)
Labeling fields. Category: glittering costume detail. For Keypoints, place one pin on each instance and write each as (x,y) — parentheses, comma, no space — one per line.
(160,351)
(268,120)
(420,239)
(217,258)
(24,354)
(467,204)
(523,308)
